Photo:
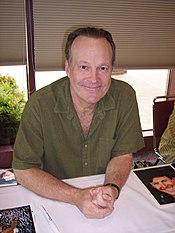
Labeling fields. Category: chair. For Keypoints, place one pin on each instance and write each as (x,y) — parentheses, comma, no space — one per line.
(162,109)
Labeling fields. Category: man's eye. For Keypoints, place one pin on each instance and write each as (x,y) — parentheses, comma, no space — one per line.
(103,68)
(83,67)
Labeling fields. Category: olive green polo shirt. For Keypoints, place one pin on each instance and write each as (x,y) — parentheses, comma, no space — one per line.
(50,136)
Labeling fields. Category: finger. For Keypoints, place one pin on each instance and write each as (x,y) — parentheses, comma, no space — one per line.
(107,197)
(103,212)
(101,203)
(94,191)
(99,213)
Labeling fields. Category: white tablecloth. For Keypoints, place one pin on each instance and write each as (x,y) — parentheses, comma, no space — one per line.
(136,211)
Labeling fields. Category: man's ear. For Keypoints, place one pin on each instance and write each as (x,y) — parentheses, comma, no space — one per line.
(67,68)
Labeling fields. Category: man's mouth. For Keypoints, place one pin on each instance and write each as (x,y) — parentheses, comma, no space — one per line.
(92,87)
(169,189)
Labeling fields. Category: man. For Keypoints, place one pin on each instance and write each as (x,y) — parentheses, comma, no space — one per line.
(164,184)
(167,142)
(83,124)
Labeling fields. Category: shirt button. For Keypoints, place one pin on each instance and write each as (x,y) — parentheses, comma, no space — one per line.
(85,163)
(85,145)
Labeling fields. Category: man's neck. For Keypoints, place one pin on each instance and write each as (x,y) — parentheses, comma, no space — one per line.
(82,107)
(85,114)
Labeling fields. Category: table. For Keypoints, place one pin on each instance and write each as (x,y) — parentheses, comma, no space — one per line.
(135,210)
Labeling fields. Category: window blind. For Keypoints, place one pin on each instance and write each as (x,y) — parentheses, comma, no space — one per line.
(12,33)
(143,30)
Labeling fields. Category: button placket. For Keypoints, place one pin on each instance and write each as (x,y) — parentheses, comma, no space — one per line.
(85,158)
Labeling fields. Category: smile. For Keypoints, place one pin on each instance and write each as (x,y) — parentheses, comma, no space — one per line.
(92,87)
(170,188)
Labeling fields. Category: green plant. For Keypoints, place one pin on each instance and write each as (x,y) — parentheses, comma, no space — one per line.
(12,102)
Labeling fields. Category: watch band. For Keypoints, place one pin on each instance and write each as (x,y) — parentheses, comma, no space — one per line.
(115,186)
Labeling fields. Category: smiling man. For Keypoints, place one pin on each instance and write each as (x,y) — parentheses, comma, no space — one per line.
(90,75)
(84,124)
(164,184)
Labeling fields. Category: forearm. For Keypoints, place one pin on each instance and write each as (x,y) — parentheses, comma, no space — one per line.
(118,170)
(46,185)
(49,186)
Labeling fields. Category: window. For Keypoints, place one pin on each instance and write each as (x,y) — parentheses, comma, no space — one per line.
(44,78)
(17,72)
(147,84)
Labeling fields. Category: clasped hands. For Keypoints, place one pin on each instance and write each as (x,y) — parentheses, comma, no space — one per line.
(96,202)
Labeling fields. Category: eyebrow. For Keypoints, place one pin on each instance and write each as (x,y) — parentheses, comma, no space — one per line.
(83,62)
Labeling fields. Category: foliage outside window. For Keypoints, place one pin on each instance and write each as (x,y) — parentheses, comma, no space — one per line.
(12,102)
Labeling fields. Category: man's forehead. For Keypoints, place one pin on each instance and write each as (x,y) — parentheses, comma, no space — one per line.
(161,178)
(86,39)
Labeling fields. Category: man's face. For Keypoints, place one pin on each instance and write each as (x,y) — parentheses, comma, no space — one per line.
(164,184)
(89,70)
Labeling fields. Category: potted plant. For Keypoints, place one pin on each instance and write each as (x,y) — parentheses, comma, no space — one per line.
(12,102)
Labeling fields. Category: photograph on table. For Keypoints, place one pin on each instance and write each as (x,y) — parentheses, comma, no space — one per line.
(160,181)
(17,220)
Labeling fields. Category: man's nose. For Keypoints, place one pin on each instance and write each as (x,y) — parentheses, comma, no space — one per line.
(94,76)
(163,186)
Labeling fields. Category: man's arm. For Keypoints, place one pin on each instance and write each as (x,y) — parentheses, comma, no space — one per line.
(49,186)
(45,184)
(118,170)
(117,173)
